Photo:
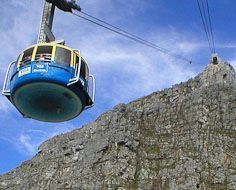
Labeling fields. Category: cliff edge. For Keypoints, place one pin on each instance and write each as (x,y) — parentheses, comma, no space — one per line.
(183,137)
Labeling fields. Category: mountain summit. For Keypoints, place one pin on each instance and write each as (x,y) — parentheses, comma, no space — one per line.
(183,137)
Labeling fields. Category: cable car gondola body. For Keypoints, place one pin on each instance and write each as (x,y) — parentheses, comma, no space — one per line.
(49,82)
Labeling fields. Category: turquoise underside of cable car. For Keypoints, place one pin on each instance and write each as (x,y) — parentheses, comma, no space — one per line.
(40,91)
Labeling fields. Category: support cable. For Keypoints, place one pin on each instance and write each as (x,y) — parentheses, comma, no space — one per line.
(204,25)
(209,17)
(205,16)
(135,36)
(204,10)
(129,35)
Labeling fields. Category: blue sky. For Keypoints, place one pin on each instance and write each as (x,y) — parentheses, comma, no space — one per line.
(124,69)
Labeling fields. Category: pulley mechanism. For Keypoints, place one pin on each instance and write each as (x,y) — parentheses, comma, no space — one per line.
(215,59)
(65,5)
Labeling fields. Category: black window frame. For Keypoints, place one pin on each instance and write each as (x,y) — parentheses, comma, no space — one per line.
(27,57)
(59,59)
(44,53)
(83,69)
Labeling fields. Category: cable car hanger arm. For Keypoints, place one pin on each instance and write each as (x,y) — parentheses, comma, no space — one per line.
(45,32)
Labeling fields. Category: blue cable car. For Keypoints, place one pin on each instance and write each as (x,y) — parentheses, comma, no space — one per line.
(49,82)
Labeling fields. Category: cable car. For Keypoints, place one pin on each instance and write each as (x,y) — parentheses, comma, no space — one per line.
(50,82)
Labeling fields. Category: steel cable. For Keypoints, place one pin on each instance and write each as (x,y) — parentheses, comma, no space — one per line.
(210,24)
(130,36)
(207,24)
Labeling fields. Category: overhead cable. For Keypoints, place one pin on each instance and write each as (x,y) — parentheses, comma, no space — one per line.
(209,17)
(206,21)
(128,35)
(119,29)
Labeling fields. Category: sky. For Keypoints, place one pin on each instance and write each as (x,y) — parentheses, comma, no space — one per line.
(124,70)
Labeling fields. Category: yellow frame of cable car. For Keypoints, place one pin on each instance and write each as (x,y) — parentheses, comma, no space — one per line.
(53,54)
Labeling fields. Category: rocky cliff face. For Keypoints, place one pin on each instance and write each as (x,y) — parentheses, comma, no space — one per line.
(179,138)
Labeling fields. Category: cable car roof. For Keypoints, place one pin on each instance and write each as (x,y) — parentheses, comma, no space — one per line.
(50,44)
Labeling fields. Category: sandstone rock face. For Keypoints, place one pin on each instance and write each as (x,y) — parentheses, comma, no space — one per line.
(179,138)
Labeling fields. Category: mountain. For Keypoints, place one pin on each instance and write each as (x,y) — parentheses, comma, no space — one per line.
(183,138)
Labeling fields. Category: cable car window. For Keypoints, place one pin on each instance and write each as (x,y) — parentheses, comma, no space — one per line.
(63,56)
(87,77)
(83,69)
(15,65)
(87,72)
(43,53)
(27,57)
(77,59)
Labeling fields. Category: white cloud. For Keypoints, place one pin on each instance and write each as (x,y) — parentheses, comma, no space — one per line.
(5,105)
(26,145)
(189,47)
(226,45)
(233,63)
(28,141)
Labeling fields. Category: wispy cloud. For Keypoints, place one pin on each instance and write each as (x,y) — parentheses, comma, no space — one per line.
(27,141)
(226,46)
(27,145)
(233,63)
(5,105)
